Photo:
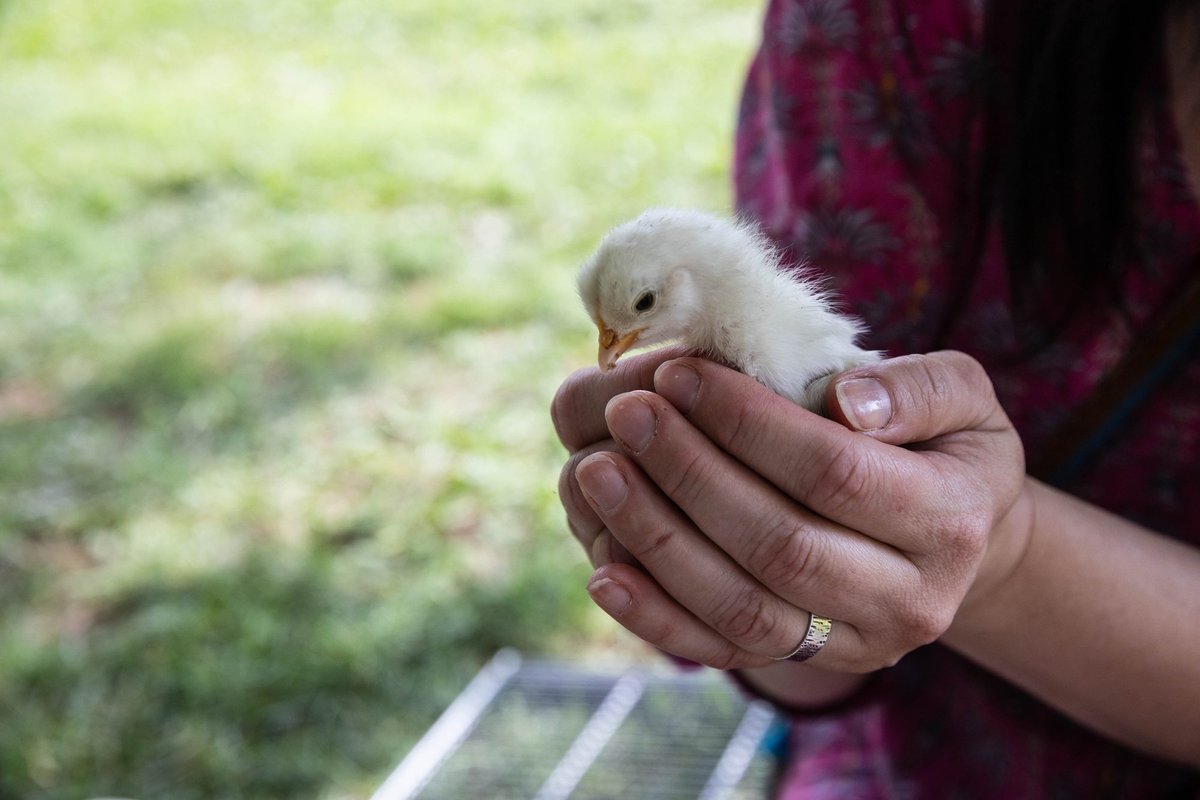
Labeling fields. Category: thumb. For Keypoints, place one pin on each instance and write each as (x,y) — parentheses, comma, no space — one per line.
(915,398)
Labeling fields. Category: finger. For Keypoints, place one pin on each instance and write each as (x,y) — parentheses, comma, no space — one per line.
(639,604)
(606,549)
(943,401)
(839,474)
(799,556)
(587,528)
(685,563)
(916,398)
(603,548)
(578,406)
(583,521)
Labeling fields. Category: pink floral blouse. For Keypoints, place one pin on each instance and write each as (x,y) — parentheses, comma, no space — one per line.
(852,128)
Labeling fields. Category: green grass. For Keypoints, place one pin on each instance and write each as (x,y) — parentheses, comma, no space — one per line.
(285,290)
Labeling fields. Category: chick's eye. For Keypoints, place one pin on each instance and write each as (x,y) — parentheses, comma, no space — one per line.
(645,302)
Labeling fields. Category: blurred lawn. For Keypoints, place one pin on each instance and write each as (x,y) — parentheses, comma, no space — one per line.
(285,290)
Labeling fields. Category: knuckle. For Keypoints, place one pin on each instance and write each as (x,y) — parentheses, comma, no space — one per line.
(960,532)
(726,657)
(846,482)
(957,379)
(966,537)
(786,554)
(662,633)
(967,369)
(743,431)
(924,623)
(937,386)
(654,546)
(926,386)
(691,479)
(746,618)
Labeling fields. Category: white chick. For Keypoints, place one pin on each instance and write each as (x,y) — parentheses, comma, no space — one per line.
(717,286)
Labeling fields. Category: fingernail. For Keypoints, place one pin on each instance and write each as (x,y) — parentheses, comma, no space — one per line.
(678,383)
(631,421)
(601,481)
(866,403)
(602,551)
(610,595)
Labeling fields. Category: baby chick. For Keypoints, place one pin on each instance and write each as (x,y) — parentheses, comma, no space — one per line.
(717,286)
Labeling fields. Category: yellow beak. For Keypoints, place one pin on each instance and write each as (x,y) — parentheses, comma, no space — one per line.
(613,346)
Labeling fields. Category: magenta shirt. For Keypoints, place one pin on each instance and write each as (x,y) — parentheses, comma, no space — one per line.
(853,126)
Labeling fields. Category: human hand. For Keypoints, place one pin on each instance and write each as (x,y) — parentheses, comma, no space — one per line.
(746,512)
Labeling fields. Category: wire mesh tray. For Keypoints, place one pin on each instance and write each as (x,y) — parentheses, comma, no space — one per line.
(529,729)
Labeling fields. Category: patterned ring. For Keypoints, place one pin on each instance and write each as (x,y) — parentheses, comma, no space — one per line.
(814,639)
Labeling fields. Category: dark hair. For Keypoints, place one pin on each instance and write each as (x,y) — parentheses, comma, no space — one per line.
(1066,88)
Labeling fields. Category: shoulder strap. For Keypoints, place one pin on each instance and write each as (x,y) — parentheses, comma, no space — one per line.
(1159,350)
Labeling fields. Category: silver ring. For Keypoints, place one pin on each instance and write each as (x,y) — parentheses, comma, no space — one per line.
(814,639)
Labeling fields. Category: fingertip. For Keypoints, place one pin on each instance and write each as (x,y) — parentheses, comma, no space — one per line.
(632,419)
(602,483)
(607,550)
(601,550)
(610,595)
(863,403)
(914,398)
(679,383)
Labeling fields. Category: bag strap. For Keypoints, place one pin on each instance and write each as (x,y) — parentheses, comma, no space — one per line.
(1158,351)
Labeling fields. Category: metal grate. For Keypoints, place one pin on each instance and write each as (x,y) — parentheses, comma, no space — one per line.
(541,731)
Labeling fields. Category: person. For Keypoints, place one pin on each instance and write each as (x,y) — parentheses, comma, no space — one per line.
(1000,522)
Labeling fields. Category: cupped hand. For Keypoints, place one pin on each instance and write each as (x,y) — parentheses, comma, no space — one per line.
(720,516)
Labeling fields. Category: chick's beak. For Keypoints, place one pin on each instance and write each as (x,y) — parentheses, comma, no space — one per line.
(613,346)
